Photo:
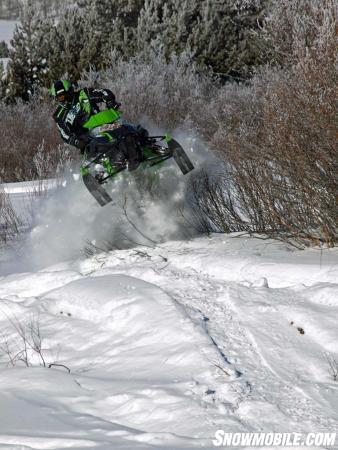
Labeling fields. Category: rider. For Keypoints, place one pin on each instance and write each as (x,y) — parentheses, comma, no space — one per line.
(76,107)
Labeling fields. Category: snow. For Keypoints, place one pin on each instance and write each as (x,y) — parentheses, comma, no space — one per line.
(24,195)
(29,187)
(4,62)
(24,198)
(168,343)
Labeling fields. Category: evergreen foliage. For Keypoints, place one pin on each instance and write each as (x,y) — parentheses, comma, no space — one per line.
(219,34)
(9,9)
(4,52)
(27,66)
(67,41)
(222,35)
(116,21)
(2,80)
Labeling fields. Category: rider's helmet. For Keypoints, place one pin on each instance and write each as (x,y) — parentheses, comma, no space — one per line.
(62,91)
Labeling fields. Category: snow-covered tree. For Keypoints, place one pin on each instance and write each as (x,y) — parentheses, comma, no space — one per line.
(27,66)
(85,35)
(66,42)
(116,23)
(225,38)
(3,49)
(219,32)
(9,9)
(166,25)
(2,81)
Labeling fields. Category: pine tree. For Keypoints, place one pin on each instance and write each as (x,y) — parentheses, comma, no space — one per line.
(91,53)
(219,32)
(155,27)
(2,81)
(4,52)
(67,40)
(9,9)
(116,23)
(224,37)
(85,35)
(27,64)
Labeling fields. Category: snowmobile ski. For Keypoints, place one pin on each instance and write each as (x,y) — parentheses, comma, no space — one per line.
(180,157)
(97,191)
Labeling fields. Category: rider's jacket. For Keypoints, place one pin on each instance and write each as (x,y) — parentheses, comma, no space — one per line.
(70,117)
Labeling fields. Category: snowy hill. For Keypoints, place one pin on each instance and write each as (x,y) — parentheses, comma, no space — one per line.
(167,345)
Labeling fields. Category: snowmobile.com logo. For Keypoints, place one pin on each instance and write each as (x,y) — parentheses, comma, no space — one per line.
(223,439)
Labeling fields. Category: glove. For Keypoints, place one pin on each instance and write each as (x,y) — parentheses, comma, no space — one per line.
(113,104)
(81,143)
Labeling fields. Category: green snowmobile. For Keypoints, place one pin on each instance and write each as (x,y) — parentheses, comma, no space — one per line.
(105,156)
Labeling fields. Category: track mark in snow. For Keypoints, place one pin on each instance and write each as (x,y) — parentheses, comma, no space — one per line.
(261,393)
(168,345)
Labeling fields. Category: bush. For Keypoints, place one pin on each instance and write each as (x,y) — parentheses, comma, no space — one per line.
(30,146)
(9,222)
(295,27)
(169,93)
(277,137)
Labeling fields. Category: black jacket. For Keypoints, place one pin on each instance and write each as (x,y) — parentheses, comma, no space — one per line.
(71,116)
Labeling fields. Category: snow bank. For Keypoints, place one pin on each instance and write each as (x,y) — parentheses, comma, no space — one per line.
(166,343)
(139,366)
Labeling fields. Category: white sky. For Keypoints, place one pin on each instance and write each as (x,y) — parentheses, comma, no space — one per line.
(6,29)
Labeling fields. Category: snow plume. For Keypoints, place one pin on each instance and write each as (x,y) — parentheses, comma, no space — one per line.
(146,210)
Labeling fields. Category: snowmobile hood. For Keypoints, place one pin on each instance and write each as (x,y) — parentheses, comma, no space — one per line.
(101,118)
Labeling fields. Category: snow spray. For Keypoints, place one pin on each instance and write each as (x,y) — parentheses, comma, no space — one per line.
(148,208)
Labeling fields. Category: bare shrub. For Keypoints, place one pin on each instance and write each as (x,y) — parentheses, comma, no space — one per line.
(166,92)
(15,220)
(277,136)
(9,222)
(213,203)
(27,346)
(293,27)
(30,146)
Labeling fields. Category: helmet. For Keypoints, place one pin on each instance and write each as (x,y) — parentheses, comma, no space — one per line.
(62,91)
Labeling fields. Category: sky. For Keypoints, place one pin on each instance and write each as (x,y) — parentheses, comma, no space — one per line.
(6,29)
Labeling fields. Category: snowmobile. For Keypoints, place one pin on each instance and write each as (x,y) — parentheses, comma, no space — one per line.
(104,156)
